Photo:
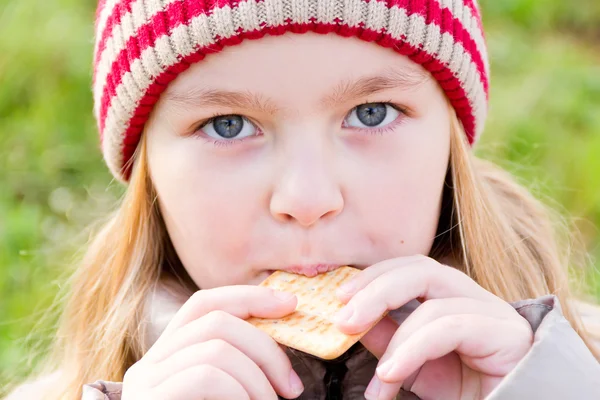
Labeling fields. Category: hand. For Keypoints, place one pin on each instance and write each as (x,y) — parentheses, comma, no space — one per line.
(458,344)
(209,352)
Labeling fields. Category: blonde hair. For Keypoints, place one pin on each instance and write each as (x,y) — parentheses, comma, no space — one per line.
(498,233)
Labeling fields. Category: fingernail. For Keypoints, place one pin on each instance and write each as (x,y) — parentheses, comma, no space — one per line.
(344,314)
(372,392)
(385,368)
(283,296)
(346,289)
(295,383)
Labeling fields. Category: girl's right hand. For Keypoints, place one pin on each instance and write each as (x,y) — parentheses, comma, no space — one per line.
(209,352)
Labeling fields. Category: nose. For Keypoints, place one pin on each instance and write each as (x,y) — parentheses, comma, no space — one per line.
(306,191)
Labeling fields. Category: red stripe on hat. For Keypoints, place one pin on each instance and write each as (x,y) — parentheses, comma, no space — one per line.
(149,32)
(101,5)
(475,12)
(448,23)
(114,19)
(440,72)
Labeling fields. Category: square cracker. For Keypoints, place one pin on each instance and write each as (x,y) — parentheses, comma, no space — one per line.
(310,328)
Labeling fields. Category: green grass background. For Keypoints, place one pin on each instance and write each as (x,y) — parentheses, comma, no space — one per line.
(544,126)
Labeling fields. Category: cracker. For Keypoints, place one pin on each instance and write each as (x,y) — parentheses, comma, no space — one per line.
(310,328)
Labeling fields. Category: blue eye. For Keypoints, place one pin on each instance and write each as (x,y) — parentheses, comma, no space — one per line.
(371,115)
(229,127)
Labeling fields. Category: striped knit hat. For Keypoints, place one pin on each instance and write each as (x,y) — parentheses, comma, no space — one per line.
(142,45)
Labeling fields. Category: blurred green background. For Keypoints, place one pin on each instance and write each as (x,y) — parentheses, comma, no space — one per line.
(544,126)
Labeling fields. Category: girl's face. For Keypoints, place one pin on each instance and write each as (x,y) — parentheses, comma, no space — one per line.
(298,152)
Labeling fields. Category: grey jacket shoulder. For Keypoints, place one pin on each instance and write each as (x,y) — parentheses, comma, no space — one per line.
(558,366)
(101,390)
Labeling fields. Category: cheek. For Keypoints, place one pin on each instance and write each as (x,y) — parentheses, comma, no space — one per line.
(210,213)
(400,193)
(406,218)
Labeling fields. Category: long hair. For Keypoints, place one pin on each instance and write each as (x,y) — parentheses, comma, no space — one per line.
(497,231)
(508,241)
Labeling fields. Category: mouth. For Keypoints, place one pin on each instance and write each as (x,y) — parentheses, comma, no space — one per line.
(308,270)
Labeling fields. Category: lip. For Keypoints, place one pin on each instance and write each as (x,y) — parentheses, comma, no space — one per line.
(309,270)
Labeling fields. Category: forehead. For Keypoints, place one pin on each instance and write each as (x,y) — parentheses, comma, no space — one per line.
(296,64)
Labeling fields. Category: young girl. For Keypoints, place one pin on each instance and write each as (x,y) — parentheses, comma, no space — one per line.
(342,137)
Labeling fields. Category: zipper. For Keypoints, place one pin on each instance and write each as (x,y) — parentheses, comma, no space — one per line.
(336,371)
(333,380)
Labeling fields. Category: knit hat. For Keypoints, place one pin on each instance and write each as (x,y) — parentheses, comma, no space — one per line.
(142,45)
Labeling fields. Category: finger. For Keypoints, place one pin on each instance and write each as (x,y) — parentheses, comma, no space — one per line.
(428,312)
(377,390)
(362,279)
(397,287)
(256,344)
(486,344)
(242,301)
(434,309)
(225,357)
(201,382)
(445,372)
(377,339)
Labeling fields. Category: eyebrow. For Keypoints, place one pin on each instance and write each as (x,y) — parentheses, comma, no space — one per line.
(348,89)
(344,92)
(195,97)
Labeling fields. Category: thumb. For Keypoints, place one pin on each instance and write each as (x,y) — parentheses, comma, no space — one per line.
(378,338)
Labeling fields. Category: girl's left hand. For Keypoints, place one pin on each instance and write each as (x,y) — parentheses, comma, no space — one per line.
(458,344)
